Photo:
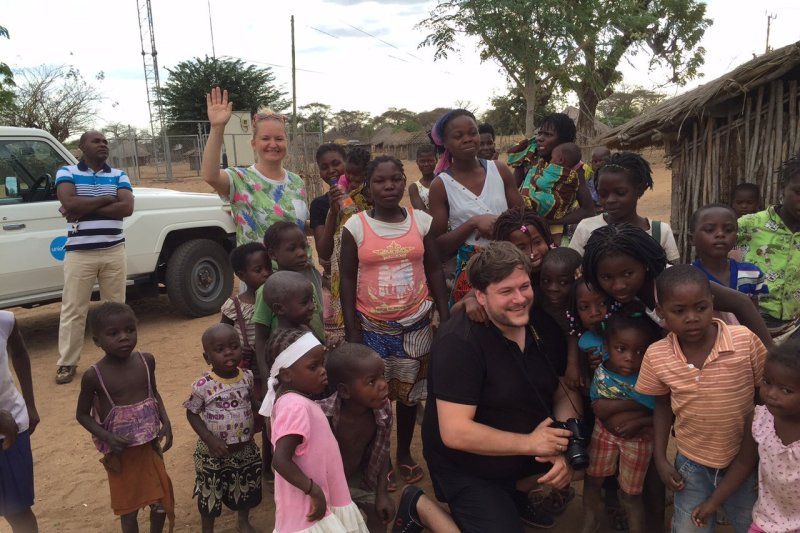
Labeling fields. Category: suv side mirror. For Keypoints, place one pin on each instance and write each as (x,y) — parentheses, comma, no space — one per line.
(11,186)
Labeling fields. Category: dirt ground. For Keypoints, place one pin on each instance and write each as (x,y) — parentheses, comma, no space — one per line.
(71,487)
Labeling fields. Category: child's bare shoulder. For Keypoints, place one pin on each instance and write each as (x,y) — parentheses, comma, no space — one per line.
(150,359)
(89,381)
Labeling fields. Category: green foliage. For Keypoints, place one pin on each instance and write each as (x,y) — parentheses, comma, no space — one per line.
(507,112)
(54,98)
(315,117)
(6,81)
(605,32)
(183,96)
(543,48)
(525,37)
(352,124)
(626,104)
(427,119)
(397,118)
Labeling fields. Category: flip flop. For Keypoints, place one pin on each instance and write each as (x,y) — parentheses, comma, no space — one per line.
(391,482)
(556,501)
(415,473)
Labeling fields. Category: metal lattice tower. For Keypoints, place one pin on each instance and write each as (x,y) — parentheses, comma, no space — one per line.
(150,63)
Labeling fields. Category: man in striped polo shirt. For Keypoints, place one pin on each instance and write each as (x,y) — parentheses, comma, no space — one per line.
(94,199)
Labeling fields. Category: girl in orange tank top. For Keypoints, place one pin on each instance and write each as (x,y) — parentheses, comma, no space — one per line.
(389,272)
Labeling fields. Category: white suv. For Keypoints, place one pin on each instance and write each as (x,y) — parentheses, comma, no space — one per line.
(175,241)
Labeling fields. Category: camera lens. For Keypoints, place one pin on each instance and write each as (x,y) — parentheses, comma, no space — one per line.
(576,455)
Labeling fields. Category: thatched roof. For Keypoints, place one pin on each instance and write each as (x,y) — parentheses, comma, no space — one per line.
(388,136)
(668,117)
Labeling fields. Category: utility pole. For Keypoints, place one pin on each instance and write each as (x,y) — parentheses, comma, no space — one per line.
(770,18)
(294,88)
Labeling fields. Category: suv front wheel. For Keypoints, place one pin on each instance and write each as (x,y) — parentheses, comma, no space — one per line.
(199,277)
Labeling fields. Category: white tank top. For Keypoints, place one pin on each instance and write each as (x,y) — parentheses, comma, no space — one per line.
(464,204)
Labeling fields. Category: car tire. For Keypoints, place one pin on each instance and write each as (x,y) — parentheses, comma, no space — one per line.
(199,277)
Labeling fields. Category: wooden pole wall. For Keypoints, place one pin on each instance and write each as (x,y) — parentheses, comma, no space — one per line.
(715,153)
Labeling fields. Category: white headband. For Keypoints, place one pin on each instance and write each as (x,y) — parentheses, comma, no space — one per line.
(285,359)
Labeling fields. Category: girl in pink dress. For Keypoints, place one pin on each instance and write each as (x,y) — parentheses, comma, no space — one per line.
(311,492)
(771,442)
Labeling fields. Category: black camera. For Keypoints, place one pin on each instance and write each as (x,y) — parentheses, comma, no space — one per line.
(576,454)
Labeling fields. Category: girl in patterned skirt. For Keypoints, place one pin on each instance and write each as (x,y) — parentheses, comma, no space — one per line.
(220,410)
(389,268)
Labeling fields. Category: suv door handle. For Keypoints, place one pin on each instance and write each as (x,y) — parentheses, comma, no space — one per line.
(10,227)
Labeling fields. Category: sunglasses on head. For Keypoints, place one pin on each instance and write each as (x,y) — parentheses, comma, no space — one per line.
(258,117)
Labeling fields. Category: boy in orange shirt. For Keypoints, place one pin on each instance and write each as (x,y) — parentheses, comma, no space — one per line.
(704,375)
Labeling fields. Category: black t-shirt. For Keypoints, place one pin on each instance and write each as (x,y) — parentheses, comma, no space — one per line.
(318,211)
(474,364)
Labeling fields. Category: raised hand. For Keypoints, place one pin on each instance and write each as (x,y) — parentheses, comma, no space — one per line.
(219,108)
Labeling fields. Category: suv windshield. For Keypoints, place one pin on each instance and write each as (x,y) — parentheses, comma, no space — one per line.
(22,163)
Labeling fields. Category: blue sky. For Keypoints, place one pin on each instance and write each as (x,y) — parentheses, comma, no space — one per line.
(341,65)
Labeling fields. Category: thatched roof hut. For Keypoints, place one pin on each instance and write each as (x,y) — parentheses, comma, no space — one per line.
(737,128)
(398,143)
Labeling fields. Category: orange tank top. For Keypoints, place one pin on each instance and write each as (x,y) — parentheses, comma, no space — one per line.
(391,273)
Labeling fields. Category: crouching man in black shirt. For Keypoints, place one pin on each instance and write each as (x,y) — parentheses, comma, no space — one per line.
(491,391)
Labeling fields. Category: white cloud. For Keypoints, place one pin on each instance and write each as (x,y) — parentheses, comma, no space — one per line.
(348,71)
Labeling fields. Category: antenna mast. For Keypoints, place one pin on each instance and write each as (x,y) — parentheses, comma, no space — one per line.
(150,63)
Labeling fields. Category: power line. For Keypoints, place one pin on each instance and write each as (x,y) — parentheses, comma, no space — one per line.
(323,32)
(387,43)
(368,34)
(277,65)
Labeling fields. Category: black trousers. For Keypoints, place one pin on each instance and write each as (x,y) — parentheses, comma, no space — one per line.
(479,505)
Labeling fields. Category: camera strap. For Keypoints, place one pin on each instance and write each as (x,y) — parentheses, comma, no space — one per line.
(523,367)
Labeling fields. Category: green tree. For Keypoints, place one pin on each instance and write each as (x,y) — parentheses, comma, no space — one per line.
(315,117)
(427,119)
(627,103)
(6,80)
(507,112)
(183,96)
(54,98)
(541,48)
(397,118)
(527,38)
(604,32)
(351,124)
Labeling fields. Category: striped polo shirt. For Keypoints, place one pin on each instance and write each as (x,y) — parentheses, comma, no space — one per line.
(93,232)
(711,403)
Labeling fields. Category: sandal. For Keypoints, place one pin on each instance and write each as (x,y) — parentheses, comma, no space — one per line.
(391,482)
(556,501)
(618,518)
(411,473)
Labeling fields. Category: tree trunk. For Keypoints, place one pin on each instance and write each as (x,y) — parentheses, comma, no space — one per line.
(587,108)
(529,93)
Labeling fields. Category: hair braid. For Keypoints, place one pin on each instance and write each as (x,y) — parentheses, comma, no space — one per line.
(622,239)
(515,218)
(634,166)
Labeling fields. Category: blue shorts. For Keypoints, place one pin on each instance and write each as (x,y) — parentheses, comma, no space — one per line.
(16,476)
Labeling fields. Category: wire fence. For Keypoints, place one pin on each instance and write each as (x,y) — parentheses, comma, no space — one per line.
(145,159)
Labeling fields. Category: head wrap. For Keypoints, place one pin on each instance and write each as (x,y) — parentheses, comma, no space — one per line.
(437,136)
(285,359)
